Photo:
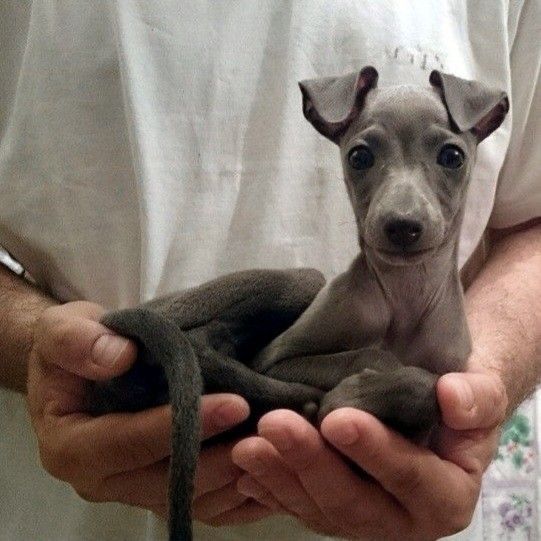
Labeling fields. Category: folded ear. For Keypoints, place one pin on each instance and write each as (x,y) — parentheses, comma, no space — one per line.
(330,104)
(472,106)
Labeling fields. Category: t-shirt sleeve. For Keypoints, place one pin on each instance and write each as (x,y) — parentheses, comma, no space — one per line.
(518,196)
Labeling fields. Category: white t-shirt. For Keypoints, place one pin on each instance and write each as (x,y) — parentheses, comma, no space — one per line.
(149,146)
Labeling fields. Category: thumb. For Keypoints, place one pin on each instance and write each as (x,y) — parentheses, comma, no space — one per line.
(70,337)
(472,400)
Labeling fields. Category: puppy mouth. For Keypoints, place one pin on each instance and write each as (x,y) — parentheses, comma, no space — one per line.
(402,257)
(405,254)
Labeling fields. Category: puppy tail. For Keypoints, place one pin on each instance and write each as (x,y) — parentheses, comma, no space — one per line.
(163,344)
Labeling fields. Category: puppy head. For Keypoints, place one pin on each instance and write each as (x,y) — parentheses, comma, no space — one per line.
(407,154)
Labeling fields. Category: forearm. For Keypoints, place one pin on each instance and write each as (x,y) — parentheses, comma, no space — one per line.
(21,304)
(503,306)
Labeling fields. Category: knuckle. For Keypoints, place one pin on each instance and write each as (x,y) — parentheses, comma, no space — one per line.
(52,460)
(90,494)
(57,468)
(52,466)
(457,517)
(458,523)
(58,460)
(60,468)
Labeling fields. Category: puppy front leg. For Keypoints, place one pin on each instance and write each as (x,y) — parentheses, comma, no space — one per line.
(404,399)
(338,320)
(325,372)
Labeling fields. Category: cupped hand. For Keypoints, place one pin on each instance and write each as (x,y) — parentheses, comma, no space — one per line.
(413,493)
(121,457)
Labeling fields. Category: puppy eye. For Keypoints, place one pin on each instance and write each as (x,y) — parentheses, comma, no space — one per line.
(361,157)
(451,157)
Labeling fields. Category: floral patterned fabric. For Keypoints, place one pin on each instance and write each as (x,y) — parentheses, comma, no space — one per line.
(509,506)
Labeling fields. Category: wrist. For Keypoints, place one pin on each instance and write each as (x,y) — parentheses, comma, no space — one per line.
(504,316)
(22,306)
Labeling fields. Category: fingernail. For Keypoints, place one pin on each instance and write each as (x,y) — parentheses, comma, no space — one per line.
(107,349)
(465,395)
(230,413)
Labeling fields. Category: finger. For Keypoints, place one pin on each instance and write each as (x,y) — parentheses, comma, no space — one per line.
(215,469)
(219,501)
(69,337)
(414,475)
(125,441)
(263,462)
(143,487)
(53,391)
(317,522)
(472,450)
(219,412)
(326,478)
(249,511)
(470,400)
(251,488)
(103,446)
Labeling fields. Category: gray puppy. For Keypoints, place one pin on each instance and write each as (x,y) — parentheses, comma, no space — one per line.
(407,155)
(378,336)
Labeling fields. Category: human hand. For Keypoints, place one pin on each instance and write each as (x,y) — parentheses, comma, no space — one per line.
(415,493)
(120,457)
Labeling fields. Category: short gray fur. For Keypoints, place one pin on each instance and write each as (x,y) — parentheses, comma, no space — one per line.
(378,336)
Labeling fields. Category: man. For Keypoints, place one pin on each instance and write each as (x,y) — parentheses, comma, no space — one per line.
(147,147)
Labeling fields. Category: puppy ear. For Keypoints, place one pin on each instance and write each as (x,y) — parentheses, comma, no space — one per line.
(330,104)
(472,106)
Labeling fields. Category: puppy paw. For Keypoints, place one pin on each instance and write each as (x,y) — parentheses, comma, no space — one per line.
(403,399)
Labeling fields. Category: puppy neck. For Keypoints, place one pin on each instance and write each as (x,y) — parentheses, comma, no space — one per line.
(414,286)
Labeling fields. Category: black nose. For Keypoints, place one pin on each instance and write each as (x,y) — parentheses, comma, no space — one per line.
(403,233)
